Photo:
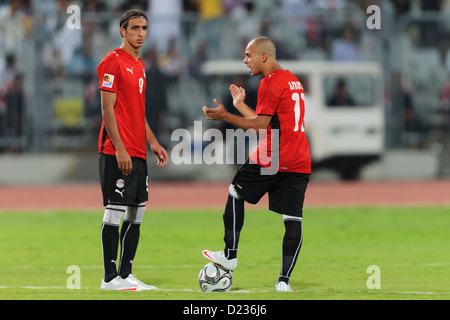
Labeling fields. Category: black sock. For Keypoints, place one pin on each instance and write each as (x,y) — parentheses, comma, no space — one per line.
(292,242)
(110,244)
(129,239)
(233,219)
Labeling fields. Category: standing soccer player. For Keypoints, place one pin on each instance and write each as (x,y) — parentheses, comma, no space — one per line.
(280,110)
(122,147)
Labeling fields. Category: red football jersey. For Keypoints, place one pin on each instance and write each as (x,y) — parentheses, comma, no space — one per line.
(119,72)
(280,94)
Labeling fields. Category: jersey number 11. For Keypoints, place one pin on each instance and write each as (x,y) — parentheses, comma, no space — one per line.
(296,97)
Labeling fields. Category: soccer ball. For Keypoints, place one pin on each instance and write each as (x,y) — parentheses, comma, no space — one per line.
(214,278)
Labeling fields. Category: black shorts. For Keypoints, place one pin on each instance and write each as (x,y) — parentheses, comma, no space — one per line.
(118,188)
(286,189)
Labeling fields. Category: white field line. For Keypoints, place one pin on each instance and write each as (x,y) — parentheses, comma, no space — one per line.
(246,291)
(84,288)
(436,264)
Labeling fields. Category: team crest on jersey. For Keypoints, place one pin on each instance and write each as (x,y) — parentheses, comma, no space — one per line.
(108,80)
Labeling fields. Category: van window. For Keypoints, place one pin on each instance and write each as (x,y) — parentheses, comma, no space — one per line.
(349,91)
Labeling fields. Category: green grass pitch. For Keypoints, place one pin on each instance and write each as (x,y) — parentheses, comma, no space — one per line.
(410,245)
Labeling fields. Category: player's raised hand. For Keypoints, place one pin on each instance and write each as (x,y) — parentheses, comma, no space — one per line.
(218,114)
(238,94)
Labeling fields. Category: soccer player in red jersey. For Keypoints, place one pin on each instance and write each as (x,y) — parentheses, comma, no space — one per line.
(280,166)
(123,151)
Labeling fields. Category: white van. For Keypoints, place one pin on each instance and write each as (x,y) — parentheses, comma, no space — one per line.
(344,110)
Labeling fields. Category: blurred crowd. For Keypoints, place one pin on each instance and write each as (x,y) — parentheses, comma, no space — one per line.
(182,35)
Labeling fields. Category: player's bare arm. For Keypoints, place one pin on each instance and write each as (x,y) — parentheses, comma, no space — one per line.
(238,94)
(157,149)
(108,101)
(255,122)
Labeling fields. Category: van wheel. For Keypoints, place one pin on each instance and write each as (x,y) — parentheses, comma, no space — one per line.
(350,173)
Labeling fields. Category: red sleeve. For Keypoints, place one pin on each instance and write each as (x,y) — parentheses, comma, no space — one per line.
(108,74)
(268,98)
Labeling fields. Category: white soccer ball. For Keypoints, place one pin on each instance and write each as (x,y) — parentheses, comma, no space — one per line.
(214,278)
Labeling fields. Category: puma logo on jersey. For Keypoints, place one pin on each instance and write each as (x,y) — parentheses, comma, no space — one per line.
(131,70)
(120,192)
